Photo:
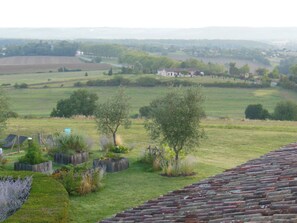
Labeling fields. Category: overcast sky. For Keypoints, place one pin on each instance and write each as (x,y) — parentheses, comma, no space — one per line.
(148,13)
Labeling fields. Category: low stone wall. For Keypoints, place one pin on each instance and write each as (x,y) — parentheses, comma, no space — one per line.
(75,159)
(111,165)
(45,167)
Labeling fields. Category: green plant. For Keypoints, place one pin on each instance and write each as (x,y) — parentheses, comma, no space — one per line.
(79,180)
(3,162)
(119,149)
(71,144)
(33,155)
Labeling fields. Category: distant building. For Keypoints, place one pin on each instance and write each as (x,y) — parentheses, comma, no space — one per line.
(179,72)
(79,53)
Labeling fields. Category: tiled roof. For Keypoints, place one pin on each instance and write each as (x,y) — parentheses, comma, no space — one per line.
(261,190)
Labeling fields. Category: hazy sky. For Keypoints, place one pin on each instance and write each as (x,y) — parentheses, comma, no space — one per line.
(148,13)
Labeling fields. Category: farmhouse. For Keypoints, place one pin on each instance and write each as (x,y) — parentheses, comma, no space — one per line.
(180,72)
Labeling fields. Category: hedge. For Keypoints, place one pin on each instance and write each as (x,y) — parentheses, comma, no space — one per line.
(48,200)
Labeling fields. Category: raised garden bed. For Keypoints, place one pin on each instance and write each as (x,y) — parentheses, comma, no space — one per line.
(45,167)
(111,165)
(75,159)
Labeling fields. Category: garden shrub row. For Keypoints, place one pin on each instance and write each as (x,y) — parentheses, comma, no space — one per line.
(48,200)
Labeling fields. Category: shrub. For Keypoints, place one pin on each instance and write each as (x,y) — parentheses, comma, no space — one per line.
(256,111)
(13,193)
(286,110)
(3,162)
(33,155)
(80,181)
(71,144)
(119,149)
(183,167)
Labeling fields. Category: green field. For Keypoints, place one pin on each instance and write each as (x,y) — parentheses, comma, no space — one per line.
(231,140)
(220,102)
(228,143)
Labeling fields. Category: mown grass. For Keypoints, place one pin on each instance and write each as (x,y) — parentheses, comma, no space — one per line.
(229,142)
(48,201)
(220,102)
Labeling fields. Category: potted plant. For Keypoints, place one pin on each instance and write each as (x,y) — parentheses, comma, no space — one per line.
(71,149)
(33,160)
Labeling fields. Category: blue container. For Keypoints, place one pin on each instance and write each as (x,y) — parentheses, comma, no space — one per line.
(67,131)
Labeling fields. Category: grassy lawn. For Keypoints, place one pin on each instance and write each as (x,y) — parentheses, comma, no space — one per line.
(229,143)
(220,102)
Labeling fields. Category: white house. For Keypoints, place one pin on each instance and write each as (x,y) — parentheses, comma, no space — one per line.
(179,72)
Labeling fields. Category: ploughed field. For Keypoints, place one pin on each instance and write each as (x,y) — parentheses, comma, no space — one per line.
(33,64)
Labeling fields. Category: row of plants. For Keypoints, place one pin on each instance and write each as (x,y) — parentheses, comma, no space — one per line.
(154,82)
(48,200)
(13,193)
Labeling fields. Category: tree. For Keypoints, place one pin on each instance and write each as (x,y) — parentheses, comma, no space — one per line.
(109,72)
(262,71)
(175,119)
(245,69)
(113,113)
(145,111)
(285,110)
(4,110)
(80,102)
(256,111)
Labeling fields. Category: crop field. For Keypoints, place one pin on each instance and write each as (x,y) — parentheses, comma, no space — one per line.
(35,64)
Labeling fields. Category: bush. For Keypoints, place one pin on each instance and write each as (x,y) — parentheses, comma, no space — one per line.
(119,149)
(13,193)
(256,112)
(3,162)
(70,144)
(183,167)
(33,155)
(20,86)
(145,111)
(80,181)
(286,110)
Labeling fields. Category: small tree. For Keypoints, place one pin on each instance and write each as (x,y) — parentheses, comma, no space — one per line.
(256,112)
(80,102)
(286,110)
(113,113)
(175,119)
(110,72)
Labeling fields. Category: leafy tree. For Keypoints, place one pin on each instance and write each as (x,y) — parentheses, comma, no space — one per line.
(233,70)
(274,73)
(245,69)
(262,71)
(285,110)
(80,102)
(175,119)
(4,110)
(113,113)
(145,111)
(256,111)
(109,72)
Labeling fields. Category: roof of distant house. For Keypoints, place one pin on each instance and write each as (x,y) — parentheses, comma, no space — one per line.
(261,190)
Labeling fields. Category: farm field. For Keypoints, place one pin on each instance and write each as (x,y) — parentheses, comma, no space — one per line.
(228,143)
(37,64)
(220,102)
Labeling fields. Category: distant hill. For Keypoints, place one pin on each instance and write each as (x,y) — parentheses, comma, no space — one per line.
(231,33)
